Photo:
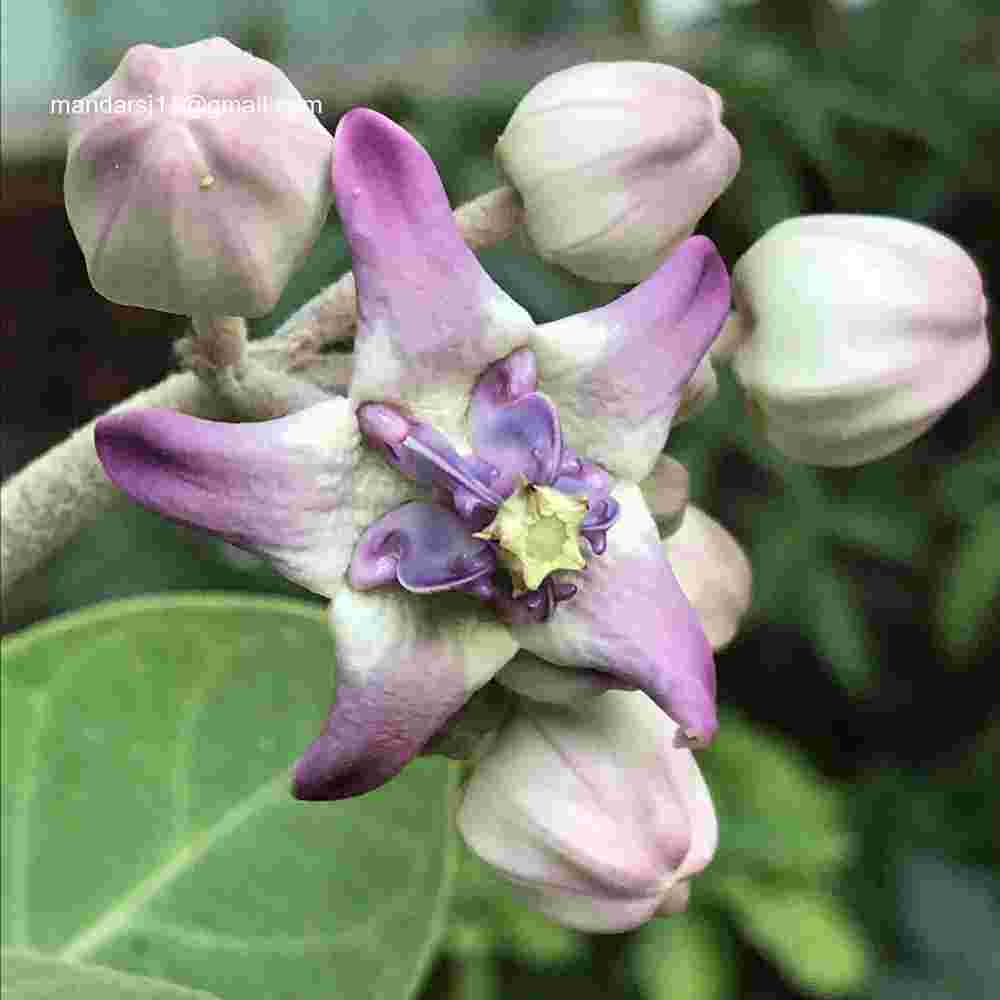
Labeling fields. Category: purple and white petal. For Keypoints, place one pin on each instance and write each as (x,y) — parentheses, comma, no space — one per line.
(424,455)
(405,665)
(617,373)
(429,317)
(515,429)
(631,620)
(422,546)
(281,488)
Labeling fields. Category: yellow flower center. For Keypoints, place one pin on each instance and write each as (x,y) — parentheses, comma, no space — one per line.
(538,530)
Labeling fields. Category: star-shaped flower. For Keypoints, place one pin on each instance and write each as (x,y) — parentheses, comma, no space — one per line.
(375,500)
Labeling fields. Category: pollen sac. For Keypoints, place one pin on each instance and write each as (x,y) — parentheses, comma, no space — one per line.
(197,180)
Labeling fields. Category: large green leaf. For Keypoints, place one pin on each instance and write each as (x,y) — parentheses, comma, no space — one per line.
(30,976)
(148,824)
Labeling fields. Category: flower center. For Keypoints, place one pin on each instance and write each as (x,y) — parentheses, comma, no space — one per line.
(538,531)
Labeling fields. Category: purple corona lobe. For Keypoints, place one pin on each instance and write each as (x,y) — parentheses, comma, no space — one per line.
(422,546)
(429,547)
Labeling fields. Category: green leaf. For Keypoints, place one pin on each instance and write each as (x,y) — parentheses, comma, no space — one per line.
(767,188)
(895,533)
(809,934)
(130,552)
(833,619)
(148,823)
(967,486)
(970,588)
(777,813)
(779,569)
(30,976)
(953,913)
(688,957)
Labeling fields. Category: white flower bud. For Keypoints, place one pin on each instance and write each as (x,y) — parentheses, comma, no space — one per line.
(616,163)
(667,490)
(713,571)
(591,811)
(855,333)
(197,180)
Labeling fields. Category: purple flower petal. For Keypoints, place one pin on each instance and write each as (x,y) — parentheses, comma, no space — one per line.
(281,488)
(424,455)
(515,429)
(617,373)
(579,478)
(428,314)
(528,607)
(423,547)
(631,620)
(405,665)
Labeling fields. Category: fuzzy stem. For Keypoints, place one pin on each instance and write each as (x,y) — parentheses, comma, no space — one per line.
(49,500)
(217,353)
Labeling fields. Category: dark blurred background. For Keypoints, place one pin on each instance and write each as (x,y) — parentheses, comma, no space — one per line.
(855,775)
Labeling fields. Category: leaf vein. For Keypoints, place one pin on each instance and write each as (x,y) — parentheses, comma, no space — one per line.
(118,917)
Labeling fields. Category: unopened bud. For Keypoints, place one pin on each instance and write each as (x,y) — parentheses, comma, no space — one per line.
(714,573)
(616,163)
(591,811)
(855,333)
(197,180)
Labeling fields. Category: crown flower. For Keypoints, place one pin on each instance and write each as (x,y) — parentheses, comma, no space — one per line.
(464,419)
(616,163)
(197,180)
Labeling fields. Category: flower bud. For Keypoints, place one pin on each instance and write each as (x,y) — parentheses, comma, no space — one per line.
(197,180)
(855,333)
(591,811)
(713,572)
(667,490)
(616,163)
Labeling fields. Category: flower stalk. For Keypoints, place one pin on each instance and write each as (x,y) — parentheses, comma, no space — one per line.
(48,501)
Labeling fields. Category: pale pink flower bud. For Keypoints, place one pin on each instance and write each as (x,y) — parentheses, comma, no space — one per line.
(667,490)
(855,333)
(713,571)
(591,811)
(197,180)
(616,163)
